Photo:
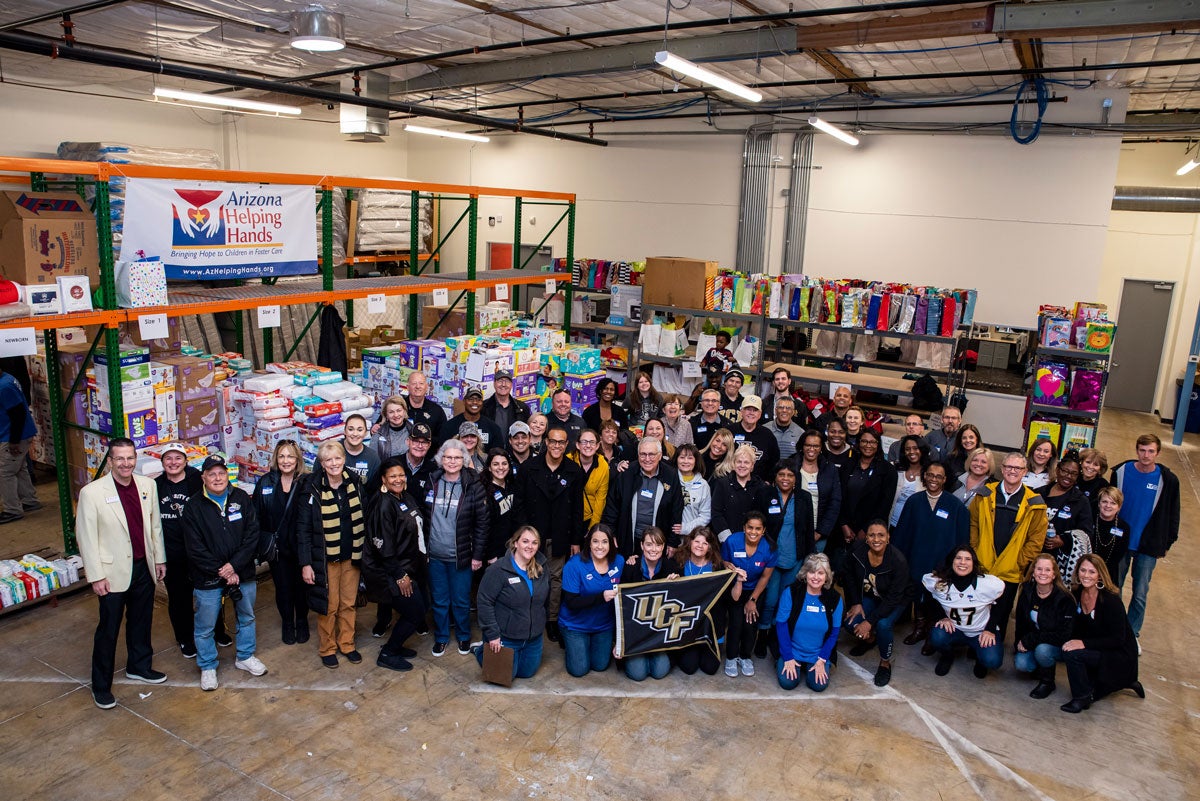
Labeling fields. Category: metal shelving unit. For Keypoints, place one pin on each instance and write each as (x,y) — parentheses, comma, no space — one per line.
(322,290)
(1063,414)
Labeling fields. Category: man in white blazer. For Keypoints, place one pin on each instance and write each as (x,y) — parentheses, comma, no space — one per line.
(120,539)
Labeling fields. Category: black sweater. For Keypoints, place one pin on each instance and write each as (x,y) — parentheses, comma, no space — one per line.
(889,583)
(1055,617)
(731,501)
(506,607)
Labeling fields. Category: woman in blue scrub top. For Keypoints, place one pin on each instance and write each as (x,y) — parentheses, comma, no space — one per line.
(807,624)
(589,584)
(751,557)
(699,554)
(652,565)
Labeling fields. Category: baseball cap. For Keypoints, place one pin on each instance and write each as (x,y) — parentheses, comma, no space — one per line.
(468,429)
(172,447)
(735,372)
(475,392)
(421,431)
(502,374)
(519,427)
(752,402)
(215,460)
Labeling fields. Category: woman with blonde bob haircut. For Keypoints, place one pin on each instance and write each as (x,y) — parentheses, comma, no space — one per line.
(513,601)
(807,625)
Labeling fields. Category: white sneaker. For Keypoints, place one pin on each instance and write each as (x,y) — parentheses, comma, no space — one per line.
(731,668)
(747,667)
(208,680)
(1139,645)
(253,666)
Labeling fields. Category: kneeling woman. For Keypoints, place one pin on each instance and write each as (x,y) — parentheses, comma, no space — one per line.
(393,565)
(1045,615)
(878,590)
(699,554)
(589,584)
(650,566)
(807,624)
(512,602)
(1102,656)
(966,595)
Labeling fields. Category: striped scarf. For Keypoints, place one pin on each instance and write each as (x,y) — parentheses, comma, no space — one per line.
(331,518)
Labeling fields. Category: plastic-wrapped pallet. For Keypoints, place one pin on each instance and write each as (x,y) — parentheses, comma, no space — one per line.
(341,226)
(385,221)
(122,153)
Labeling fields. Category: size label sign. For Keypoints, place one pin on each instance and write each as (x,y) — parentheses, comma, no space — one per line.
(441,297)
(18,342)
(501,291)
(551,286)
(376,304)
(152,326)
(268,316)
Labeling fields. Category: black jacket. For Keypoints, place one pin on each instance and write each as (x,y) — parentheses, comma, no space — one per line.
(474,519)
(552,502)
(1072,510)
(520,412)
(829,494)
(866,494)
(731,501)
(172,497)
(418,480)
(573,425)
(702,431)
(501,502)
(277,512)
(620,512)
(802,519)
(506,607)
(310,534)
(1163,527)
(394,527)
(430,414)
(1107,632)
(1055,617)
(331,347)
(889,582)
(492,436)
(765,446)
(591,416)
(214,537)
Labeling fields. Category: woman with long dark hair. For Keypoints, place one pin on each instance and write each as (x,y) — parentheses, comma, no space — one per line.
(650,566)
(586,617)
(701,553)
(967,595)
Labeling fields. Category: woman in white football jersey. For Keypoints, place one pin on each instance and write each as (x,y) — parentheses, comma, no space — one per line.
(966,594)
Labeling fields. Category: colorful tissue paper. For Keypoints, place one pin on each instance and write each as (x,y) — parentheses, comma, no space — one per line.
(1050,383)
(1086,387)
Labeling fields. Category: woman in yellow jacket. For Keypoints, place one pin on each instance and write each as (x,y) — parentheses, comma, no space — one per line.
(1008,530)
(595,467)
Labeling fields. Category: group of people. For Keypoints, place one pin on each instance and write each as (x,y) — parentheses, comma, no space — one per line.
(533,521)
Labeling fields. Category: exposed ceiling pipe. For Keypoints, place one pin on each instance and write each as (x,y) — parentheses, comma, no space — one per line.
(25,43)
(1181,200)
(641,30)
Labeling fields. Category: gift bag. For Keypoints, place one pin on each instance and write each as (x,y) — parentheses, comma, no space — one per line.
(873,308)
(794,303)
(933,324)
(921,318)
(1050,381)
(866,348)
(775,304)
(827,344)
(885,310)
(649,338)
(934,355)
(949,314)
(1086,386)
(845,344)
(141,283)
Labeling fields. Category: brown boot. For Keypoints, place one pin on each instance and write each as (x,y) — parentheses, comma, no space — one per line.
(920,631)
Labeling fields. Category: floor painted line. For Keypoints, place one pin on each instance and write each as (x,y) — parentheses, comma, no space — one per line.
(241,684)
(700,694)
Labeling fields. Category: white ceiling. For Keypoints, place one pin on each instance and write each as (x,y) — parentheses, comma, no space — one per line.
(251,39)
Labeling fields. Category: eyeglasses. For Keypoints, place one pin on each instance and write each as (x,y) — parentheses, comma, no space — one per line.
(556,442)
(1012,467)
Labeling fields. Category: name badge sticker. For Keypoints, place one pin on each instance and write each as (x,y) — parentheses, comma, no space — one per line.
(1116,532)
(647,494)
(268,491)
(811,608)
(739,554)
(113,499)
(514,580)
(943,514)
(812,486)
(235,516)
(774,510)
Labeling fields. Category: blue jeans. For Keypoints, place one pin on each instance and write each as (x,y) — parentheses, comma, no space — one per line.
(208,606)
(1143,569)
(587,651)
(781,579)
(1042,656)
(803,674)
(656,665)
(989,657)
(451,591)
(883,626)
(526,659)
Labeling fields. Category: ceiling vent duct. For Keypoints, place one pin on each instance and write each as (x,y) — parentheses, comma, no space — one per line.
(1184,200)
(361,123)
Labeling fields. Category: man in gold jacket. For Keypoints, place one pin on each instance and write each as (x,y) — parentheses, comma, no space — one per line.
(1008,530)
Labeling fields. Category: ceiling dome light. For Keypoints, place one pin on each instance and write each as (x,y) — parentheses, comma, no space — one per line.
(318,31)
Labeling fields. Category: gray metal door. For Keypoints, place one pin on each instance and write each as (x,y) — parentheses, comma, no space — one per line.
(1141,333)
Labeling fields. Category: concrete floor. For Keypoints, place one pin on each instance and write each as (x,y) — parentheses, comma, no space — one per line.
(361,732)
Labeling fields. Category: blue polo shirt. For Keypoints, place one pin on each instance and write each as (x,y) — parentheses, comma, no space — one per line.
(733,551)
(1140,490)
(580,577)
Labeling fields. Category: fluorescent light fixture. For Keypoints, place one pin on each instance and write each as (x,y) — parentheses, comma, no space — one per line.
(318,31)
(833,130)
(1186,168)
(685,67)
(223,101)
(421,129)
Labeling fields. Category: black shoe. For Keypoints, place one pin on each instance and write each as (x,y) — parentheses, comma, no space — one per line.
(353,657)
(407,653)
(1043,690)
(147,676)
(104,699)
(927,649)
(439,649)
(1138,688)
(380,628)
(943,664)
(393,662)
(8,517)
(464,647)
(1077,705)
(552,632)
(980,670)
(883,675)
(421,632)
(289,635)
(302,631)
(919,633)
(861,647)
(760,645)
(330,661)
(224,640)
(188,650)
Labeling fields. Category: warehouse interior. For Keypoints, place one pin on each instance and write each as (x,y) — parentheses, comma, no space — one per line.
(940,191)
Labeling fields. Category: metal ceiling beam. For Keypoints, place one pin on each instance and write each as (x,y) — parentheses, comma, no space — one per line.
(1091,17)
(508,15)
(617,58)
(834,66)
(25,43)
(937,25)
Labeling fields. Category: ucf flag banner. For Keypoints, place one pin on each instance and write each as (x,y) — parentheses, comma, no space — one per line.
(202,230)
(668,614)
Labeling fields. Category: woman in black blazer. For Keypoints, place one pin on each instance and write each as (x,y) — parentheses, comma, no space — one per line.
(1045,618)
(868,489)
(1102,655)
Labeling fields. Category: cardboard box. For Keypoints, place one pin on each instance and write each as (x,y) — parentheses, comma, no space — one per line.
(198,418)
(195,378)
(455,324)
(141,426)
(676,281)
(44,235)
(131,333)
